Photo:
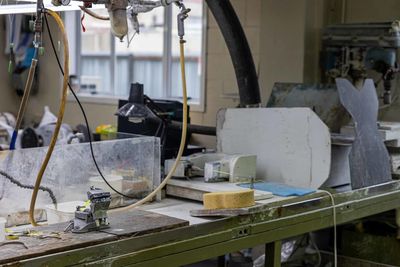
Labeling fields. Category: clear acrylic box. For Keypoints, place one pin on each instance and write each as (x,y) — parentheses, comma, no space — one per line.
(131,164)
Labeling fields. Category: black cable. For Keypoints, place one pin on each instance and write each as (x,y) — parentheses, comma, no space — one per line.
(83,113)
(24,186)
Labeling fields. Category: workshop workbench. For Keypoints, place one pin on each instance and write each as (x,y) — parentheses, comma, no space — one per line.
(205,238)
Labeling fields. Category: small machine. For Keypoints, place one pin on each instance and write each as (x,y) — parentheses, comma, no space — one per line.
(358,50)
(217,167)
(93,215)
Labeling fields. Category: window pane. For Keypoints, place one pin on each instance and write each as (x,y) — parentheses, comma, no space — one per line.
(193,51)
(95,60)
(96,38)
(96,76)
(122,79)
(146,50)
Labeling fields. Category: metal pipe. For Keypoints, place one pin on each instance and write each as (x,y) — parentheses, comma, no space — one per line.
(203,130)
(192,128)
(239,49)
(195,129)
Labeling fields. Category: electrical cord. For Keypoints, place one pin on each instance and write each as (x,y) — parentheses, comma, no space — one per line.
(84,115)
(334,226)
(24,186)
(60,116)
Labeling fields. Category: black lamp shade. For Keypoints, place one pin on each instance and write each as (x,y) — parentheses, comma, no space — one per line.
(135,109)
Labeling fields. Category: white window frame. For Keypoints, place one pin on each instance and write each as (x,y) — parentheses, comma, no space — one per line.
(72,21)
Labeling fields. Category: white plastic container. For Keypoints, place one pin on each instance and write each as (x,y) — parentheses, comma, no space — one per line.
(65,212)
(2,229)
(114,180)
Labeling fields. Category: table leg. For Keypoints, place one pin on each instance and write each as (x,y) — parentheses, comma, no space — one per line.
(221,261)
(273,254)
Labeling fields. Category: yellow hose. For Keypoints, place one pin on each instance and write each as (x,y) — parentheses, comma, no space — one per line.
(183,138)
(59,118)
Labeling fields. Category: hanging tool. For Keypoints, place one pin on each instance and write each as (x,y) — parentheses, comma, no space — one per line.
(28,86)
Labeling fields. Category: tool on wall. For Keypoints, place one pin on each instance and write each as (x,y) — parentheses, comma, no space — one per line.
(20,48)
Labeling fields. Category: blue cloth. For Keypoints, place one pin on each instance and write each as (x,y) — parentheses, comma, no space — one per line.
(279,189)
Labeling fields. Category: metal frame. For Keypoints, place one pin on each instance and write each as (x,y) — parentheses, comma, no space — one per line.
(268,225)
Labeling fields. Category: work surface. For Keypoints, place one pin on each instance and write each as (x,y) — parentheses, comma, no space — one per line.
(203,238)
(130,224)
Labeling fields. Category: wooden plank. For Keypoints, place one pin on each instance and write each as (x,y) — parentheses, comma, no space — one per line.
(142,222)
(195,188)
(127,224)
(39,247)
(225,212)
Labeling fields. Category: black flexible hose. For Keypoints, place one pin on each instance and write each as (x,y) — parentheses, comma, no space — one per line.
(31,187)
(239,49)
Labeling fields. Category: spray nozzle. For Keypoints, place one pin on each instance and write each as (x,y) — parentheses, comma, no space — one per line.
(184,14)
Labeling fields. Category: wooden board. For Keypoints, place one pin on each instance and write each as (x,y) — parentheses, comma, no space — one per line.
(142,222)
(133,223)
(195,188)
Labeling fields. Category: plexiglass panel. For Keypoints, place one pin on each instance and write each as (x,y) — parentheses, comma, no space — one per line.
(132,165)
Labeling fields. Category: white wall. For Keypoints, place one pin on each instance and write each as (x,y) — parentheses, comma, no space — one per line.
(282,43)
(372,10)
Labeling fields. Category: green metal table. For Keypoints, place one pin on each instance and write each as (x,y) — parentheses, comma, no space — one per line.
(267,225)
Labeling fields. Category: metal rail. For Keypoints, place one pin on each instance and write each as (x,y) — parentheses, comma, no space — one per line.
(198,242)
